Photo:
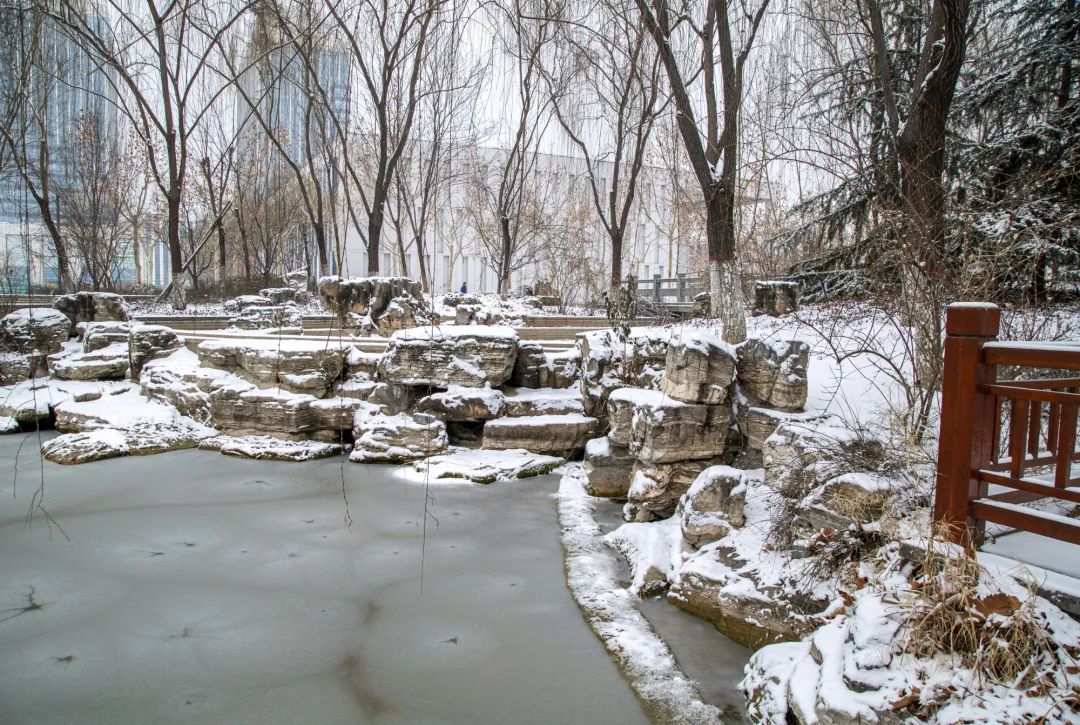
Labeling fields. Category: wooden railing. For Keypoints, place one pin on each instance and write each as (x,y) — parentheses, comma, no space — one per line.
(1003,444)
(677,290)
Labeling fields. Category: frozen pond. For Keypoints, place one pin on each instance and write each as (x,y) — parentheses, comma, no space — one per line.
(194,587)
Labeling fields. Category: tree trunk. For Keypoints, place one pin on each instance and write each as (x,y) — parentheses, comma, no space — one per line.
(176,261)
(616,257)
(507,250)
(374,231)
(725,287)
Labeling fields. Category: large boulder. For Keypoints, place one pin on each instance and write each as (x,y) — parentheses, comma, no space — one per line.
(608,469)
(98,335)
(460,404)
(242,408)
(609,363)
(281,295)
(107,363)
(387,304)
(659,429)
(542,401)
(269,448)
(34,330)
(137,440)
(712,506)
(535,368)
(776,297)
(243,302)
(15,367)
(472,356)
(379,438)
(284,318)
(562,434)
(774,373)
(758,424)
(297,366)
(699,368)
(92,307)
(150,342)
(655,488)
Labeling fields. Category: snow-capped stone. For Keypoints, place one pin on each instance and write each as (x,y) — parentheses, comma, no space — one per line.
(239,407)
(122,408)
(758,424)
(535,368)
(776,297)
(712,505)
(107,363)
(774,373)
(379,438)
(285,318)
(699,368)
(98,335)
(608,468)
(655,488)
(92,307)
(140,439)
(281,295)
(385,304)
(463,404)
(150,342)
(542,401)
(659,429)
(609,363)
(541,433)
(14,367)
(652,551)
(270,448)
(472,356)
(243,302)
(485,466)
(796,445)
(29,330)
(297,366)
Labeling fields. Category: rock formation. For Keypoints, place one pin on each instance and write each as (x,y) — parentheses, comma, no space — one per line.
(439,357)
(561,434)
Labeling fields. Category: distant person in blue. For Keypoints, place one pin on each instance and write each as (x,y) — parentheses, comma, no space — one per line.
(464,288)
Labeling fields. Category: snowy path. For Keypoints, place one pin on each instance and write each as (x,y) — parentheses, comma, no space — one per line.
(200,588)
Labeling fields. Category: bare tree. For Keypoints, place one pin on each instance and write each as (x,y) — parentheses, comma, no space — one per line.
(607,95)
(711,30)
(161,57)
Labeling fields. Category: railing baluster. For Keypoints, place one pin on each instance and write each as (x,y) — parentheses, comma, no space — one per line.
(995,452)
(1052,427)
(1066,446)
(1017,433)
(1034,428)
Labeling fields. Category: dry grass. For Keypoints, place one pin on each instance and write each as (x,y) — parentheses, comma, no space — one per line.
(997,635)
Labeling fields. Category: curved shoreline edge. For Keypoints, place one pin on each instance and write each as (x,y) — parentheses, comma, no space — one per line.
(644,659)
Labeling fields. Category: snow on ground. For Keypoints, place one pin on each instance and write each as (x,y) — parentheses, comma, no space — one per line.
(196,588)
(147,308)
(612,612)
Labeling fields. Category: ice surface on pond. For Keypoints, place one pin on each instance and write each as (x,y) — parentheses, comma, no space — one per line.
(200,588)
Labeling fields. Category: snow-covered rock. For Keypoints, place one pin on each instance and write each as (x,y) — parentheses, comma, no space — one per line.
(98,335)
(281,295)
(699,368)
(609,363)
(106,363)
(712,505)
(298,366)
(385,304)
(472,356)
(776,297)
(655,488)
(92,307)
(542,401)
(14,368)
(608,468)
(535,368)
(31,403)
(120,408)
(658,429)
(271,448)
(758,424)
(284,319)
(139,439)
(484,466)
(29,330)
(242,408)
(243,302)
(774,373)
(459,404)
(379,438)
(653,552)
(541,433)
(150,342)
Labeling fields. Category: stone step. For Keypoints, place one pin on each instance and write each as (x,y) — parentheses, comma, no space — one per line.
(562,434)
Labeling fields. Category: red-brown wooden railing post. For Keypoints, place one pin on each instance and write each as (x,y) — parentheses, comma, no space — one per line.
(966,439)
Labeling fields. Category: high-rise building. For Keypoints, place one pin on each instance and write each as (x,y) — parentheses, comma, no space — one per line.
(65,88)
